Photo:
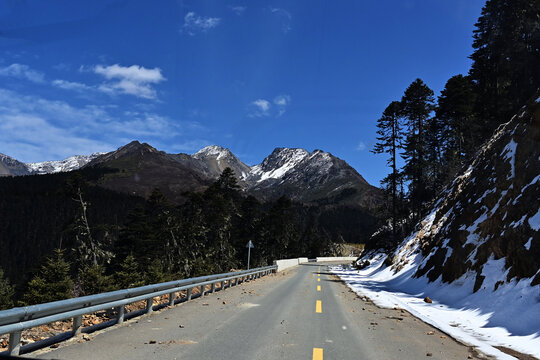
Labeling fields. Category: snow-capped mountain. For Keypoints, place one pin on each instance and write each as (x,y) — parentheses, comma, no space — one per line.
(12,167)
(277,165)
(312,177)
(69,164)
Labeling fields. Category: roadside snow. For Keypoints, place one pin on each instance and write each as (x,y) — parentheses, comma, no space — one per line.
(534,221)
(509,316)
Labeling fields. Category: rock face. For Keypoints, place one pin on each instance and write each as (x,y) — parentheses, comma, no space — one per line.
(316,177)
(487,222)
(11,167)
(216,159)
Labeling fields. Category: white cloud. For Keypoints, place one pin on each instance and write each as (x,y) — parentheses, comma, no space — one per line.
(133,80)
(33,128)
(238,10)
(70,85)
(282,101)
(194,23)
(264,108)
(259,108)
(285,18)
(361,146)
(22,71)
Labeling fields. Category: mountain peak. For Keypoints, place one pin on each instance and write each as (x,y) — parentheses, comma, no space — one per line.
(135,145)
(212,151)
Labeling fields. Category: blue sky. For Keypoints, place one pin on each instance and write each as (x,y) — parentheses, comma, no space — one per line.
(81,77)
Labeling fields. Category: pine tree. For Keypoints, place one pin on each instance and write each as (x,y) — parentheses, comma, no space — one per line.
(52,283)
(154,274)
(506,59)
(455,111)
(6,292)
(417,105)
(390,141)
(93,280)
(128,275)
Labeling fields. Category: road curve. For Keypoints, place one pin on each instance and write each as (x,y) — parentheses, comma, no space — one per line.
(304,313)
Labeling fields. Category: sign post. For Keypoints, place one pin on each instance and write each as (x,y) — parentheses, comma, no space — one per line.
(250,246)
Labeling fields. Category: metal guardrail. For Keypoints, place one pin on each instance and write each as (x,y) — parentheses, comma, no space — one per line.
(15,320)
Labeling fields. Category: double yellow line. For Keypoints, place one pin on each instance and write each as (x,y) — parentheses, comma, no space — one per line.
(318,352)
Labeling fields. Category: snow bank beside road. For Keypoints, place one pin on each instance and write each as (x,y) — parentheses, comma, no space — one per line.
(509,316)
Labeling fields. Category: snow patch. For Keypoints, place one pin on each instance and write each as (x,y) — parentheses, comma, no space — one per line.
(509,153)
(483,319)
(534,221)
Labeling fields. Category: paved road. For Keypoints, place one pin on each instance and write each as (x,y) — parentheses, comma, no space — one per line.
(305,313)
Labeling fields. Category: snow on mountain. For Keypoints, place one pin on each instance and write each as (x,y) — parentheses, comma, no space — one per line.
(477,253)
(215,151)
(69,164)
(278,164)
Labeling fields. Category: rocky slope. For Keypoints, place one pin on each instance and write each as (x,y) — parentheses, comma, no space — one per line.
(140,168)
(11,167)
(216,159)
(317,177)
(485,228)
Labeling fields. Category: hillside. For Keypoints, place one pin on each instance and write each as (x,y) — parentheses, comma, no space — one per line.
(476,255)
(490,212)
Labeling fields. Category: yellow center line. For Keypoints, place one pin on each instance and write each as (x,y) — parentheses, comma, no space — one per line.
(319,279)
(318,287)
(318,306)
(317,354)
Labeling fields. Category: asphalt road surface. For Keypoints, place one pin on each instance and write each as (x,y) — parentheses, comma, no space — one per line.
(304,313)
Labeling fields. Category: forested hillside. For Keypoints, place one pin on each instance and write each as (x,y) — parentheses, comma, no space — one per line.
(62,229)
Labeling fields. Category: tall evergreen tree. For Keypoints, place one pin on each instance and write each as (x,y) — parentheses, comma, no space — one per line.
(52,283)
(6,292)
(93,280)
(506,59)
(129,274)
(417,105)
(455,111)
(389,141)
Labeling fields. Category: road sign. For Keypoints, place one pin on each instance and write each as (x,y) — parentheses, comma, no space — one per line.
(249,246)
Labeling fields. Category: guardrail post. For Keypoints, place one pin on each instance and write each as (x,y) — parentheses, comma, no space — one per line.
(171,298)
(14,343)
(188,294)
(120,314)
(213,288)
(149,304)
(223,285)
(77,325)
(202,290)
